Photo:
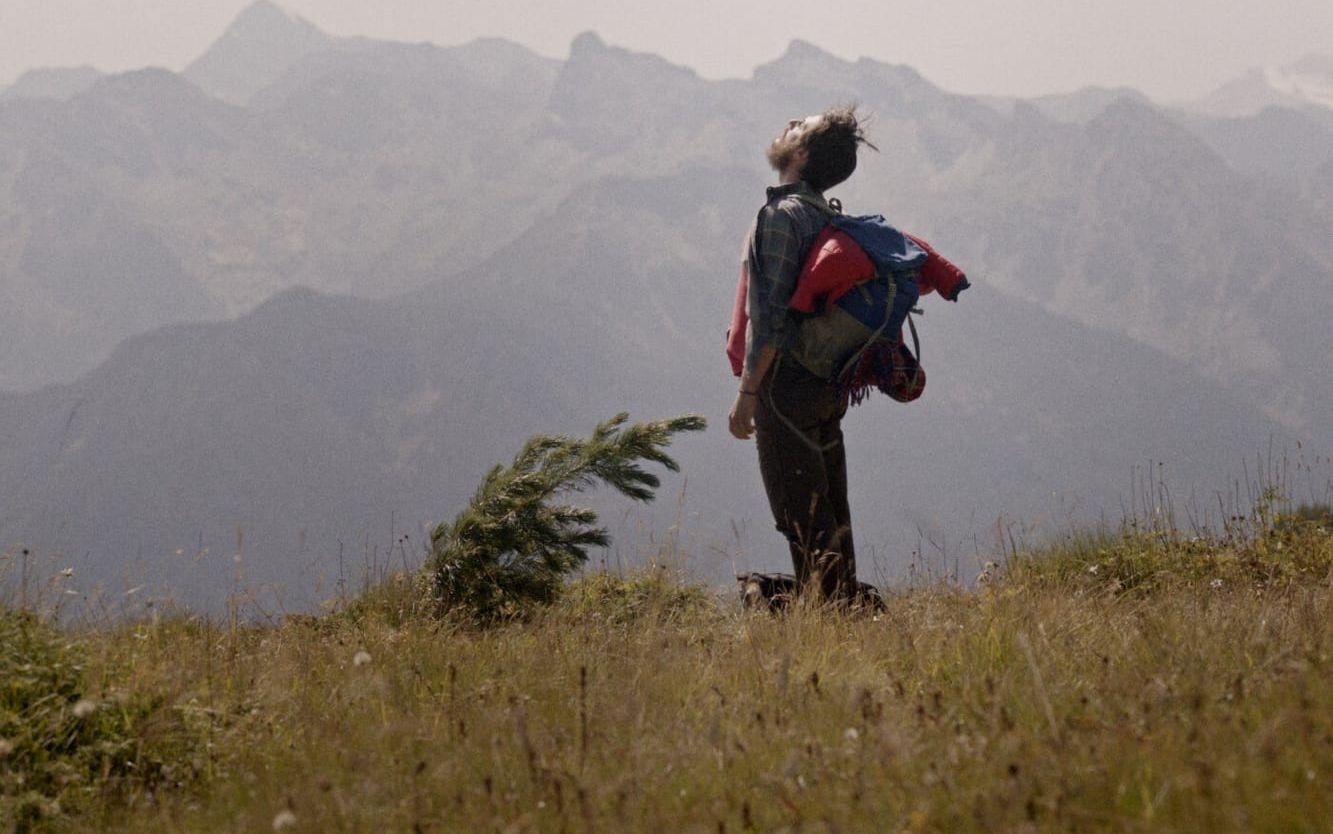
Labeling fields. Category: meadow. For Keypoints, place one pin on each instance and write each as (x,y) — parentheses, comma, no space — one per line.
(1110,681)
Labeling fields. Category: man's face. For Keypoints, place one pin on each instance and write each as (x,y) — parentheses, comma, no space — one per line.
(786,149)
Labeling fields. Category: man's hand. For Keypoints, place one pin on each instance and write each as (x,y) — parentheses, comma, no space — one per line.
(741,421)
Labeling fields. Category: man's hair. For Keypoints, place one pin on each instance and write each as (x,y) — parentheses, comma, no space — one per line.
(831,146)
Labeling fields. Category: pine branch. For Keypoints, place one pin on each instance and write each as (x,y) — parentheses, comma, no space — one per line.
(509,548)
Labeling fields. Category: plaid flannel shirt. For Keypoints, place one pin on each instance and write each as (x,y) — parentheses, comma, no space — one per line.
(775,251)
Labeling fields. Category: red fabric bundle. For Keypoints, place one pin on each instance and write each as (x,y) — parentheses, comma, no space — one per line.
(835,265)
(939,274)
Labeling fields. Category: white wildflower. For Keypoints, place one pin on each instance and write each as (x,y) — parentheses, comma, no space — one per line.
(6,747)
(67,572)
(1215,584)
(284,820)
(1093,569)
(851,734)
(361,658)
(84,708)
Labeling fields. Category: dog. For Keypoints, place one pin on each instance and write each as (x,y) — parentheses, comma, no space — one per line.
(775,591)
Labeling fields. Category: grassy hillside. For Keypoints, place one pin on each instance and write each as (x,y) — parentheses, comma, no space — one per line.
(1123,682)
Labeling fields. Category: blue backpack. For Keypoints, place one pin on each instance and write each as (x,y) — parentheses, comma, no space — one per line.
(882,305)
(871,315)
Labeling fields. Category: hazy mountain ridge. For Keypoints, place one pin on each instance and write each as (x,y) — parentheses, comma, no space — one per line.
(315,420)
(336,176)
(250,201)
(51,82)
(1105,241)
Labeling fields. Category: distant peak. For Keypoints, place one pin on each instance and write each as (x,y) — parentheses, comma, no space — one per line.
(259,45)
(265,21)
(587,43)
(804,50)
(804,60)
(263,18)
(264,12)
(589,51)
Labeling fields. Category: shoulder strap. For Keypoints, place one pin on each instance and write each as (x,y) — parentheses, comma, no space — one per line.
(830,208)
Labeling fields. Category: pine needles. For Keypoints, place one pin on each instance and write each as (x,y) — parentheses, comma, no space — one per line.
(512,547)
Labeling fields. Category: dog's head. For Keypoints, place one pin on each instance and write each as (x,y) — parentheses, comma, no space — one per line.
(766,591)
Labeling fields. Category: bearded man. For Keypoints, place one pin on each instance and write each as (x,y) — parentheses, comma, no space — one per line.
(794,414)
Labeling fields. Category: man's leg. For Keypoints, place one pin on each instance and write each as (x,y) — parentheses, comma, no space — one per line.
(806,504)
(840,573)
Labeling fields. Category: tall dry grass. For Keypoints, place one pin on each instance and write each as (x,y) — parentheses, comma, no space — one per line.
(1105,684)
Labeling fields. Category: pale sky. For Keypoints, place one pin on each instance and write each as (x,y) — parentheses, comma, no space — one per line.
(1171,50)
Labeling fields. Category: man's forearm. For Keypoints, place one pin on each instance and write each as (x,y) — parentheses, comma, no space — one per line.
(754,372)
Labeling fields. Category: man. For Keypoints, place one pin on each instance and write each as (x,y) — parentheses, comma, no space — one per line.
(794,414)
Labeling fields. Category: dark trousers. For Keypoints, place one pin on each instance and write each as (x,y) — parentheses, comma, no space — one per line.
(807,486)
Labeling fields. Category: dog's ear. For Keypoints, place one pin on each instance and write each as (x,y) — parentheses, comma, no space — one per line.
(753,597)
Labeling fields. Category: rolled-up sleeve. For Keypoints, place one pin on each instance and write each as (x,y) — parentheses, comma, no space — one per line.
(774,265)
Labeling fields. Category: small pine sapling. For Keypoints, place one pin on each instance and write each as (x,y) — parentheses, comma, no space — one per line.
(512,547)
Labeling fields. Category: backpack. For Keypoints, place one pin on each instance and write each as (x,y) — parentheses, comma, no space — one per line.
(837,263)
(855,341)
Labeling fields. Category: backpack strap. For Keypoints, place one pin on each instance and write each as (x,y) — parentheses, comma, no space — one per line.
(829,208)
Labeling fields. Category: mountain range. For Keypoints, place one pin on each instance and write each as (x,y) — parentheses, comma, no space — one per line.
(295,300)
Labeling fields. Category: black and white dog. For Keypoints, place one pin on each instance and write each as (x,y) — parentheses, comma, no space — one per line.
(775,591)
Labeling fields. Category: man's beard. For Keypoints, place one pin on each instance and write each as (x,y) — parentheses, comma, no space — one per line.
(781,151)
